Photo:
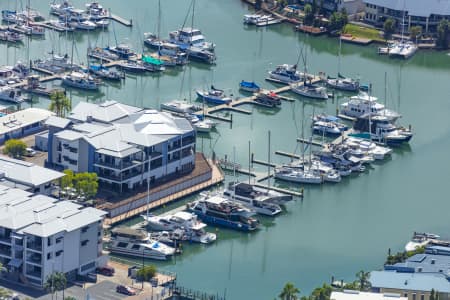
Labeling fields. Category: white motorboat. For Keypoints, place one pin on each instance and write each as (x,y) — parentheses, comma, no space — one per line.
(84,25)
(193,228)
(188,37)
(326,128)
(179,106)
(10,94)
(101,53)
(363,104)
(81,81)
(286,74)
(298,175)
(251,19)
(403,49)
(32,29)
(61,25)
(420,240)
(258,204)
(133,243)
(202,127)
(11,17)
(343,83)
(10,36)
(103,23)
(249,192)
(378,152)
(61,8)
(308,90)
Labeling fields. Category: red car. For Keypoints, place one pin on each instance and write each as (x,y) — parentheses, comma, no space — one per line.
(106,270)
(126,290)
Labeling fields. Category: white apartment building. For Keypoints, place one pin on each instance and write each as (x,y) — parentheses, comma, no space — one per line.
(124,145)
(40,235)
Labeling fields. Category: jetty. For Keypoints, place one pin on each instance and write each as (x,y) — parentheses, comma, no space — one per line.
(233,105)
(118,19)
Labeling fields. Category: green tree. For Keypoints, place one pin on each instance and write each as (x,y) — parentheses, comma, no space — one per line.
(146,273)
(70,298)
(322,293)
(389,27)
(55,282)
(337,21)
(363,278)
(309,14)
(15,148)
(4,293)
(289,292)
(67,180)
(442,34)
(59,104)
(415,32)
(86,184)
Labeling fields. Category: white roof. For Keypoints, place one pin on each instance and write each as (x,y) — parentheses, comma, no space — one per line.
(57,122)
(116,129)
(43,216)
(108,111)
(27,173)
(23,118)
(216,199)
(357,295)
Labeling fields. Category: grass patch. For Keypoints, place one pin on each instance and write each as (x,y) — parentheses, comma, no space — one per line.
(363,32)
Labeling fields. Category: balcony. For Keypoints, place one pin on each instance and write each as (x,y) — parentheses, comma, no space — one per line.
(5,251)
(34,259)
(155,154)
(5,239)
(115,165)
(35,246)
(34,273)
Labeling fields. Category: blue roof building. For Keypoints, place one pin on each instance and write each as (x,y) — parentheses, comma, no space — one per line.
(415,286)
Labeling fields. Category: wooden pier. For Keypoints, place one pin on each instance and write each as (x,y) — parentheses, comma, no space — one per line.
(287,154)
(310,142)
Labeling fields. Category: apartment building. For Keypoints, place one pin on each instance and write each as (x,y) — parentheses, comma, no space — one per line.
(40,235)
(426,14)
(124,145)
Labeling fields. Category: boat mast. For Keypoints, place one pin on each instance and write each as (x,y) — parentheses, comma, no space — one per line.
(159,28)
(249,163)
(268,165)
(339,56)
(234,172)
(385,92)
(148,184)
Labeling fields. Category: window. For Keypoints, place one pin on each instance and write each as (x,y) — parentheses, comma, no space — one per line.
(58,253)
(49,241)
(422,297)
(135,247)
(84,229)
(414,296)
(59,239)
(122,245)
(84,243)
(49,255)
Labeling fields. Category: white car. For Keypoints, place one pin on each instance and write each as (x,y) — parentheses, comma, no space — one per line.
(30,152)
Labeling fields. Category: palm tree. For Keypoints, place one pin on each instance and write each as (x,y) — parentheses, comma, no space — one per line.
(60,103)
(363,278)
(54,282)
(289,292)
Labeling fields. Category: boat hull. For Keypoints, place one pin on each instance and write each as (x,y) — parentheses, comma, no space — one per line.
(224,223)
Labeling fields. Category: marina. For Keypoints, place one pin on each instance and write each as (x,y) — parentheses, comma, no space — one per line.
(304,235)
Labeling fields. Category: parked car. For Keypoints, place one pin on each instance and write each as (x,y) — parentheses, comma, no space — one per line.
(30,152)
(106,271)
(126,290)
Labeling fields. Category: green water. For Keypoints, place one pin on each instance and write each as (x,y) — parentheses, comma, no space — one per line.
(337,229)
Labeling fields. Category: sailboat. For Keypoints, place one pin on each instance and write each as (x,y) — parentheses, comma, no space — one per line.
(403,49)
(341,82)
(308,89)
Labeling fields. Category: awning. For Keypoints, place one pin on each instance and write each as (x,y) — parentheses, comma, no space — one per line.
(15,262)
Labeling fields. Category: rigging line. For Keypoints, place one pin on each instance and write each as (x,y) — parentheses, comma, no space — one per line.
(187,15)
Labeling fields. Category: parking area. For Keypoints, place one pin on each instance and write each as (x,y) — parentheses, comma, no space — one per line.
(38,158)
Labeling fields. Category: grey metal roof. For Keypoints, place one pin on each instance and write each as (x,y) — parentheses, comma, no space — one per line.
(27,173)
(69,135)
(57,122)
(106,112)
(420,8)
(44,216)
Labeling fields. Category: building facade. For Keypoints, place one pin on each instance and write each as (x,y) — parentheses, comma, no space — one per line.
(40,235)
(426,14)
(124,145)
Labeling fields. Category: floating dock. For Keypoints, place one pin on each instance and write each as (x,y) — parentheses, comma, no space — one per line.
(118,19)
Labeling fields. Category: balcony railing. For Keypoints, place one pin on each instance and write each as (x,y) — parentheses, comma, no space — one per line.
(5,251)
(5,239)
(35,259)
(34,246)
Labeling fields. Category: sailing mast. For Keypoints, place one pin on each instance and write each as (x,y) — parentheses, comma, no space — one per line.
(268,165)
(159,28)
(339,56)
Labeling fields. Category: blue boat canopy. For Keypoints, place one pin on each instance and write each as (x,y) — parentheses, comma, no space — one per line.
(249,84)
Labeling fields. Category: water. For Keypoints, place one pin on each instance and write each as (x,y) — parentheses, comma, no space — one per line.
(337,229)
